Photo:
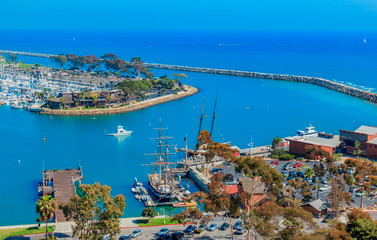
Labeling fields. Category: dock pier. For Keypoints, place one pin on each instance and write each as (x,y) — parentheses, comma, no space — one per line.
(60,184)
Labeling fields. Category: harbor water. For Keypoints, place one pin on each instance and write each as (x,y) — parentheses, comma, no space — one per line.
(246,108)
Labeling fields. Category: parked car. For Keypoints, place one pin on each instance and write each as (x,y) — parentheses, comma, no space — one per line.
(300,174)
(189,230)
(275,163)
(224,226)
(297,165)
(314,179)
(241,230)
(136,233)
(178,236)
(324,181)
(324,188)
(201,228)
(292,174)
(164,237)
(216,170)
(284,173)
(361,193)
(309,181)
(124,237)
(212,227)
(353,189)
(287,166)
(237,225)
(162,231)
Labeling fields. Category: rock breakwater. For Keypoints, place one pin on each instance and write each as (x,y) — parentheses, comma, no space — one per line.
(352,91)
(129,108)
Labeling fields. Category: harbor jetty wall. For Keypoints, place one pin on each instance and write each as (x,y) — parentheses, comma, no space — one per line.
(352,91)
(342,88)
(129,108)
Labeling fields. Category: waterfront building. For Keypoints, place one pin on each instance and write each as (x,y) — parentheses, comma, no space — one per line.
(328,142)
(364,135)
(372,149)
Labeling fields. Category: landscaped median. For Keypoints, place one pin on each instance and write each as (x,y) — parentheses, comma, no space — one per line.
(10,232)
(155,222)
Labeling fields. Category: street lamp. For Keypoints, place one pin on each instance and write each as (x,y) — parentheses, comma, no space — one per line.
(164,215)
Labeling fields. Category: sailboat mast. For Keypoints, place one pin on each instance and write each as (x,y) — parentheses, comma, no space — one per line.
(201,119)
(214,115)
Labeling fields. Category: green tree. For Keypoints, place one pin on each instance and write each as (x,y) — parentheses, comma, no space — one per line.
(320,171)
(46,206)
(364,174)
(95,213)
(357,151)
(361,226)
(309,173)
(149,213)
(338,194)
(275,142)
(59,60)
(12,57)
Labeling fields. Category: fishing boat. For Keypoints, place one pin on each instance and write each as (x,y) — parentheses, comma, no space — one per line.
(120,132)
(309,131)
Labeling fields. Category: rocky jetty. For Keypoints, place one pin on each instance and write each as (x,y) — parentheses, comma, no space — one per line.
(128,108)
(352,91)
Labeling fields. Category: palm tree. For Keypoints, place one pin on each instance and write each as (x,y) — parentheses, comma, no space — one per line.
(46,207)
(276,141)
(309,173)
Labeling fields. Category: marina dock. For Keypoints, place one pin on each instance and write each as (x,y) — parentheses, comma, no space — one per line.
(61,185)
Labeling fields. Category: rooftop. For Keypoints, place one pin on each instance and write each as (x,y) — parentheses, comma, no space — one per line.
(317,140)
(318,205)
(370,130)
(252,186)
(373,141)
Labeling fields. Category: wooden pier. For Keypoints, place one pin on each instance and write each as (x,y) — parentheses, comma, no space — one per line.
(61,185)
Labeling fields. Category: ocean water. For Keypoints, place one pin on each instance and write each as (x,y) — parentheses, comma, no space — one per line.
(276,107)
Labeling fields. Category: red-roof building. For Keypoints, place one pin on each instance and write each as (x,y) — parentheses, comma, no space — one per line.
(298,145)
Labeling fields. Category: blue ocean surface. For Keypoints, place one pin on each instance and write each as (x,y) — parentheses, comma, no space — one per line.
(275,107)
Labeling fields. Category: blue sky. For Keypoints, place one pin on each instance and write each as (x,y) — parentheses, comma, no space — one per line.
(269,15)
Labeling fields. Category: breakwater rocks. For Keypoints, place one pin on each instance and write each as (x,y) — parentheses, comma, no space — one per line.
(352,91)
(124,109)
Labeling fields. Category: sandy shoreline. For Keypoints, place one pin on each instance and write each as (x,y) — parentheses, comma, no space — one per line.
(129,108)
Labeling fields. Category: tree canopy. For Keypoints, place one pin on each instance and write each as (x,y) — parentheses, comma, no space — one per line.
(96,213)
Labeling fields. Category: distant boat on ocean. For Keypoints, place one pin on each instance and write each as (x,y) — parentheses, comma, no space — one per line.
(365,41)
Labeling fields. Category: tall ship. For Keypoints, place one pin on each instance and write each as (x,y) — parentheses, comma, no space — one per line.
(162,183)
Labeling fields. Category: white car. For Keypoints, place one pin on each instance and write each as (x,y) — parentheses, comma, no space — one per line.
(325,188)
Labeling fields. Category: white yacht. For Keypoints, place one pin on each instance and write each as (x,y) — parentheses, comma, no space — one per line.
(120,132)
(309,131)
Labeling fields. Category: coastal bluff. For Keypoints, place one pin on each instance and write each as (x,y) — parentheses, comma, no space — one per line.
(342,88)
(128,108)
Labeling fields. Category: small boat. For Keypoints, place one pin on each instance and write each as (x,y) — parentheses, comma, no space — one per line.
(365,41)
(247,108)
(137,184)
(138,197)
(134,190)
(120,132)
(309,131)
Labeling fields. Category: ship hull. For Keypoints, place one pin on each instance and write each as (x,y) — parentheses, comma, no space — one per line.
(159,196)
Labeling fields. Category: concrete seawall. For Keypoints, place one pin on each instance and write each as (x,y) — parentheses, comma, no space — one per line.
(352,91)
(124,109)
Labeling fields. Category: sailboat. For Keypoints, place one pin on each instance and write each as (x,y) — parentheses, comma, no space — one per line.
(365,41)
(161,183)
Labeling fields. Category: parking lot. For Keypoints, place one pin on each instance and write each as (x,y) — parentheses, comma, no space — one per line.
(150,232)
(368,200)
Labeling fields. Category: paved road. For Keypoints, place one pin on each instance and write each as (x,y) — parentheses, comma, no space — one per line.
(149,233)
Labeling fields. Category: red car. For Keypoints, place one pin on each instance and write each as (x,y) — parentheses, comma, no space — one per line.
(296,165)
(275,163)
